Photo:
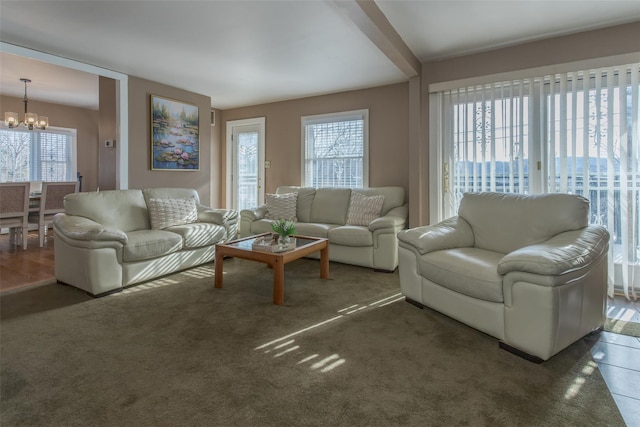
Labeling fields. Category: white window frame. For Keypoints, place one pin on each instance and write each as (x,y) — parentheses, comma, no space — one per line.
(332,118)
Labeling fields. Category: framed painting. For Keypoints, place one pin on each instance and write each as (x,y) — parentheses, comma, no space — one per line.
(175,144)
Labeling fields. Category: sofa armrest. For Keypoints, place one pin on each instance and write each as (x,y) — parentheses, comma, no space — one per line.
(217,216)
(81,228)
(396,219)
(254,214)
(228,218)
(451,233)
(564,253)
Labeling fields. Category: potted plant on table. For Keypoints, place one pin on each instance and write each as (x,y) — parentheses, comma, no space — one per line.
(285,229)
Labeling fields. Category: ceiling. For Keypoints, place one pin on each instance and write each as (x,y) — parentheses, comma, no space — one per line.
(251,52)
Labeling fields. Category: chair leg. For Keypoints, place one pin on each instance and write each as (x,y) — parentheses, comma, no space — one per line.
(41,232)
(24,231)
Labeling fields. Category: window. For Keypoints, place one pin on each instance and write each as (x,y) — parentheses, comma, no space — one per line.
(335,150)
(37,155)
(576,132)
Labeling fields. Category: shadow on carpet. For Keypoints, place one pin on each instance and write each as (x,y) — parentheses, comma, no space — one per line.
(347,351)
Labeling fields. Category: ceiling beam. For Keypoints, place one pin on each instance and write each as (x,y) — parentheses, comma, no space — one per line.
(371,21)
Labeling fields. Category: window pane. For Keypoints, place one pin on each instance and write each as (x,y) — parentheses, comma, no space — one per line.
(334,153)
(15,151)
(55,157)
(490,137)
(247,170)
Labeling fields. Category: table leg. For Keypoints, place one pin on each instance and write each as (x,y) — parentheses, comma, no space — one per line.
(218,269)
(324,263)
(278,283)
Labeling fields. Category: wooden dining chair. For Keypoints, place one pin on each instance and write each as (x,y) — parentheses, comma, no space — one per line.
(51,203)
(14,211)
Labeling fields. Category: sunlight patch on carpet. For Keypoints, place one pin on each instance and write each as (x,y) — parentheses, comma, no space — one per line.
(201,272)
(578,382)
(301,331)
(324,364)
(285,345)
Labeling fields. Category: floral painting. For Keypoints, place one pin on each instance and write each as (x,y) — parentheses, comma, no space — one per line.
(174,135)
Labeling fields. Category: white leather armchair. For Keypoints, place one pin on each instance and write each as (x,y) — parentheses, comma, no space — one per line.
(528,270)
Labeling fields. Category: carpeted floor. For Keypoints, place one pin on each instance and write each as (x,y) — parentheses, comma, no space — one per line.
(341,352)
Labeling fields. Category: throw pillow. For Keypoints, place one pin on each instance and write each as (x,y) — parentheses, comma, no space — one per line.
(364,209)
(282,206)
(165,213)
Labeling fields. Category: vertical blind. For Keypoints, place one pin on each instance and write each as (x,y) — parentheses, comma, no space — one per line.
(574,132)
(335,151)
(37,155)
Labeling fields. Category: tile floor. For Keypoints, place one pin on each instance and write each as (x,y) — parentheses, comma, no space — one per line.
(618,359)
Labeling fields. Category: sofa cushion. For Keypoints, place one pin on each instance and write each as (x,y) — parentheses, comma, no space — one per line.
(147,244)
(364,209)
(469,271)
(504,222)
(350,235)
(305,199)
(165,213)
(313,229)
(199,234)
(393,196)
(125,210)
(171,193)
(330,206)
(281,206)
(258,227)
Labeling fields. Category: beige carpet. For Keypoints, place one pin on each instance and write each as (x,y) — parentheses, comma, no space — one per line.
(340,352)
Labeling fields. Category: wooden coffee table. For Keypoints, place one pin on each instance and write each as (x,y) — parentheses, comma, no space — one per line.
(241,248)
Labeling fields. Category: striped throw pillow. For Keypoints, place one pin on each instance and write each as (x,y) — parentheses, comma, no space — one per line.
(165,213)
(282,206)
(364,209)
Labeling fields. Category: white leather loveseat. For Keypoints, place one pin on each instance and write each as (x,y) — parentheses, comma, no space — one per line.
(325,212)
(528,270)
(111,239)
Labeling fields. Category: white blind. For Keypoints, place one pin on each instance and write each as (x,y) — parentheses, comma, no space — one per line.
(37,155)
(335,150)
(487,131)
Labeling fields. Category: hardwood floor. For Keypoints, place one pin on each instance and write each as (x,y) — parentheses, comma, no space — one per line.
(617,356)
(20,268)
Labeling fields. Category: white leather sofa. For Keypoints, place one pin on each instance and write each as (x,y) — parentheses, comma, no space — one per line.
(105,241)
(323,212)
(528,270)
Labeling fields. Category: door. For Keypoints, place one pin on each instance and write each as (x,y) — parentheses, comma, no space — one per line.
(245,160)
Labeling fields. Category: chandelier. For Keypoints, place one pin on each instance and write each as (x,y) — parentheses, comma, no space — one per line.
(31,120)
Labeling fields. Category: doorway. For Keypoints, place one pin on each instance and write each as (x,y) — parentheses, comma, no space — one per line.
(245,162)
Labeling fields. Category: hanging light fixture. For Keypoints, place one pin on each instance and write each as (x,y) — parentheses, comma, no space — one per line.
(31,120)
